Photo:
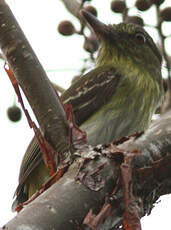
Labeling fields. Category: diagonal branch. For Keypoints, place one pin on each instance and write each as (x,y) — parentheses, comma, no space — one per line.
(91,194)
(73,6)
(33,80)
(97,199)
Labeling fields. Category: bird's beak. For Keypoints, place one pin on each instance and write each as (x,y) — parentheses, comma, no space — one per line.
(101,29)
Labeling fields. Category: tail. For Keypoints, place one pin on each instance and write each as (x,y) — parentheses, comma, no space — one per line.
(20,198)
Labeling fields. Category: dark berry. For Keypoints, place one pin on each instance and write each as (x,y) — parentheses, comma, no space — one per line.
(66,28)
(135,19)
(91,9)
(91,44)
(118,6)
(14,113)
(165,14)
(143,5)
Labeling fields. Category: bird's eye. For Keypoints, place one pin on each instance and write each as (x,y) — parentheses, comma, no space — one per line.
(140,38)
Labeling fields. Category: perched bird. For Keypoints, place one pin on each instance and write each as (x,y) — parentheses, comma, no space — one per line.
(116,99)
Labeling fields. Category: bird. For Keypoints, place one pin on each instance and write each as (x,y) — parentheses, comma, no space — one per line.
(115,99)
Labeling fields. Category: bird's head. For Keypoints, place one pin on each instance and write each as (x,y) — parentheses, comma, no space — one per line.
(126,46)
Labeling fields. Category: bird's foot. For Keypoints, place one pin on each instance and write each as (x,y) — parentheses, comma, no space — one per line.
(77,137)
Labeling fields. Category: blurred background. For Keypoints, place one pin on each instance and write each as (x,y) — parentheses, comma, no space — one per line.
(63,57)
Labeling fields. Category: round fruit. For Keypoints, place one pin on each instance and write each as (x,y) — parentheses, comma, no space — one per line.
(135,19)
(118,6)
(91,9)
(14,113)
(91,44)
(66,28)
(165,14)
(143,5)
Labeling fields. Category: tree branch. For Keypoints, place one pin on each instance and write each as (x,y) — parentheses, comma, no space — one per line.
(33,80)
(73,6)
(91,192)
(92,195)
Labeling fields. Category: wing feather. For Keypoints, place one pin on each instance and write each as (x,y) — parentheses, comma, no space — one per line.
(86,96)
(91,92)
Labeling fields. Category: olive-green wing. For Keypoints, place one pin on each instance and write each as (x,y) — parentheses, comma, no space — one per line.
(91,92)
(86,96)
(31,159)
